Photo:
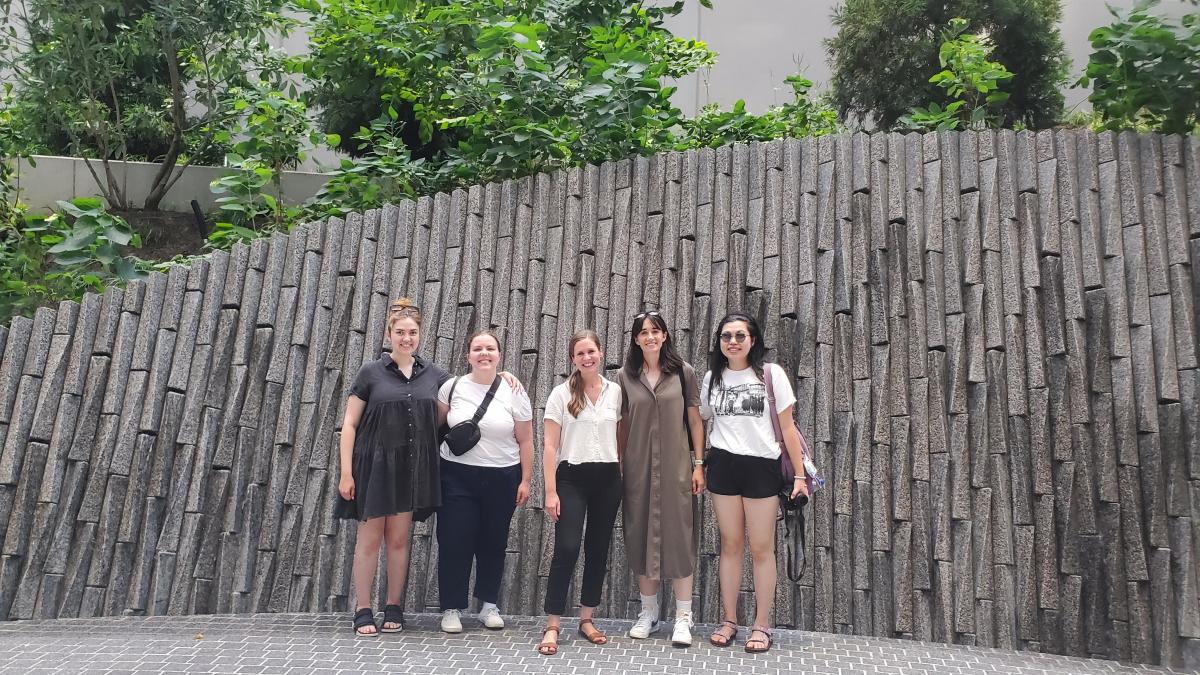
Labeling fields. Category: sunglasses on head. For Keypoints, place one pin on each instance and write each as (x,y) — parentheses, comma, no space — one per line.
(738,337)
(406,310)
(646,314)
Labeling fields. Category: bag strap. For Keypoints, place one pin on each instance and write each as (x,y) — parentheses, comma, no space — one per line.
(687,425)
(771,406)
(789,544)
(487,400)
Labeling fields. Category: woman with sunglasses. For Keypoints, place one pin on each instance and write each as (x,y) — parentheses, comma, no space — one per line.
(744,475)
(661,438)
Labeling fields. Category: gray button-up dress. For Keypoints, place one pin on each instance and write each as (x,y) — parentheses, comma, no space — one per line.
(658,521)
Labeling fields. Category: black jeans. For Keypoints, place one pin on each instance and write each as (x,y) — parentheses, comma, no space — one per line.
(592,491)
(472,526)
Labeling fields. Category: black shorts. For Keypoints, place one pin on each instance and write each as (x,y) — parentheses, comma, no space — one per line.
(727,473)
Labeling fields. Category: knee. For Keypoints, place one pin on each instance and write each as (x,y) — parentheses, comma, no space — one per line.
(368,542)
(732,545)
(762,552)
(397,545)
(566,549)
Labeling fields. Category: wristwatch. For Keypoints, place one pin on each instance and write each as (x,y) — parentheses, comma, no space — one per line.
(697,462)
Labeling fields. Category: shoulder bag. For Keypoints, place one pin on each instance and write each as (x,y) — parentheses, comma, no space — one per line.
(465,435)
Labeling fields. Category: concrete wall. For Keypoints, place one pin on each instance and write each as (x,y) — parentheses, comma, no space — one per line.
(762,41)
(45,181)
(992,338)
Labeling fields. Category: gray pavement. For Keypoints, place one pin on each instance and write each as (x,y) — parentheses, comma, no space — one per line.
(323,644)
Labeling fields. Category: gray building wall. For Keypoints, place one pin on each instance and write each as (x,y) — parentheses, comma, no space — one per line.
(762,41)
(992,339)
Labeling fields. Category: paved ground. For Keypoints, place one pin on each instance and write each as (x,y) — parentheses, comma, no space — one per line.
(323,644)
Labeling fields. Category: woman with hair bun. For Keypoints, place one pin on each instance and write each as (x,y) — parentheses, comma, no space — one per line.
(583,482)
(389,462)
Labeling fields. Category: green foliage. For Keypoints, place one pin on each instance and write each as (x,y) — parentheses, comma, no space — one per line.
(799,117)
(273,130)
(62,256)
(970,78)
(486,90)
(1144,71)
(387,173)
(884,51)
(120,79)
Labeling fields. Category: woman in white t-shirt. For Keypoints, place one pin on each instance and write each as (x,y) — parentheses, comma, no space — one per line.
(743,469)
(482,487)
(583,481)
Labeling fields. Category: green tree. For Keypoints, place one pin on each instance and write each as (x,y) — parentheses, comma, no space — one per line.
(885,51)
(1144,71)
(486,90)
(120,79)
(970,77)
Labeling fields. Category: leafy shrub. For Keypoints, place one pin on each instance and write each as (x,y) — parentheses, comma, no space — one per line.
(970,78)
(485,90)
(1144,71)
(45,259)
(885,50)
(802,116)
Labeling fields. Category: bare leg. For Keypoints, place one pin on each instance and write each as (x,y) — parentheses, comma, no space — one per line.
(395,534)
(366,555)
(682,588)
(647,586)
(731,521)
(760,525)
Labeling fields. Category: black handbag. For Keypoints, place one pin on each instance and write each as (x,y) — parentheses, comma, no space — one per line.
(465,435)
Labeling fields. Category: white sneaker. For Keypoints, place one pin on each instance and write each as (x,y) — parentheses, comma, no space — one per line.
(489,616)
(682,635)
(646,624)
(451,621)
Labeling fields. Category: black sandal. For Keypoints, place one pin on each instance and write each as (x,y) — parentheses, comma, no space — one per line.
(392,614)
(720,633)
(362,618)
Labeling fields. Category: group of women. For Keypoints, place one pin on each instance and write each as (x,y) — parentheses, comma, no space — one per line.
(636,445)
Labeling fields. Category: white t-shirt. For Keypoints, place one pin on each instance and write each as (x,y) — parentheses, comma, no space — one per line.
(497,439)
(592,436)
(738,410)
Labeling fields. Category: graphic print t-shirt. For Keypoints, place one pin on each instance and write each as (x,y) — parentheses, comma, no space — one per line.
(738,410)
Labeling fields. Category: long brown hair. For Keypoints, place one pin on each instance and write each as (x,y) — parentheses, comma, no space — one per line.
(575,381)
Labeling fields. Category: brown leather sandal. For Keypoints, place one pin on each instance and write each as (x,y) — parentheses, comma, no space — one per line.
(547,648)
(766,644)
(596,637)
(722,632)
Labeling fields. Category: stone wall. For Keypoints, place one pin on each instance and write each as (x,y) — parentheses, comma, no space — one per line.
(992,337)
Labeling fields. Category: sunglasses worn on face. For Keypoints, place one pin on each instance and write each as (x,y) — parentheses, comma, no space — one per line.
(738,337)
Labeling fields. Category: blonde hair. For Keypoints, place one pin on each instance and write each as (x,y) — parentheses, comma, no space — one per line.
(575,381)
(403,308)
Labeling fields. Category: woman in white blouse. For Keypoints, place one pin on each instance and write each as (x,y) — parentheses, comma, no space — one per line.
(583,481)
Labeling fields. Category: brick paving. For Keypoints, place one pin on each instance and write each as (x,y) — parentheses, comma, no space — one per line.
(323,644)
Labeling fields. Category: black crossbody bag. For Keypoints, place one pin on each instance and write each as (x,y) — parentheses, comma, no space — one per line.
(465,435)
